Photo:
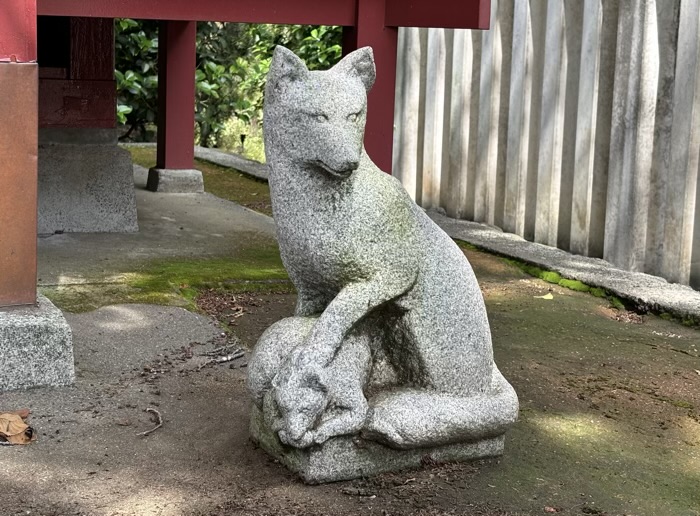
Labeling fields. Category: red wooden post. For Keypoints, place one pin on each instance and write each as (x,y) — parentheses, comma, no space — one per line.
(176,89)
(18,152)
(369,30)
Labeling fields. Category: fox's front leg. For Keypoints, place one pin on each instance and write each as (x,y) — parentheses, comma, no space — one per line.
(350,305)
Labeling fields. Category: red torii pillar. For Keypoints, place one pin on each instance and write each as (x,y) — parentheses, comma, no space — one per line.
(19,83)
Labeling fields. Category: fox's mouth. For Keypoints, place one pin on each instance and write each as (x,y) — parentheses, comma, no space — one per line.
(336,173)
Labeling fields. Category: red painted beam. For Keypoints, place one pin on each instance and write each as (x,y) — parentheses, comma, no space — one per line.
(308,12)
(457,14)
(176,94)
(370,31)
(18,31)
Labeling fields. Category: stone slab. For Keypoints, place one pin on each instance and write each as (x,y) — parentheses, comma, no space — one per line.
(85,188)
(347,458)
(36,347)
(175,181)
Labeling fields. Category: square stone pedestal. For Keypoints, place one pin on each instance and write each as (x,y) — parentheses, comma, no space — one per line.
(345,458)
(175,181)
(36,347)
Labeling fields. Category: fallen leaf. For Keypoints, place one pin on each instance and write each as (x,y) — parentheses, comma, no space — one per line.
(546,296)
(551,509)
(23,413)
(13,430)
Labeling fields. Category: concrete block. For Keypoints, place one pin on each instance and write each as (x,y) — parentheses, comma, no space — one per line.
(86,188)
(36,347)
(175,181)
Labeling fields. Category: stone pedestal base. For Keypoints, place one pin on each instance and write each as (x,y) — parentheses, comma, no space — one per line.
(36,347)
(175,181)
(345,458)
(86,183)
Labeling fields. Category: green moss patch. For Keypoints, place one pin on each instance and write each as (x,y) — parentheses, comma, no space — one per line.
(576,285)
(177,281)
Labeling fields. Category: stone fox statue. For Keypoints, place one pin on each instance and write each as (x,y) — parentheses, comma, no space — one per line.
(365,261)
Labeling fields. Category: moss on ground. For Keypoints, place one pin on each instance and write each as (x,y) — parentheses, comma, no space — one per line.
(177,281)
(227,183)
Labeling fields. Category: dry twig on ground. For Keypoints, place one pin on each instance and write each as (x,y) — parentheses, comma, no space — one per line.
(159,422)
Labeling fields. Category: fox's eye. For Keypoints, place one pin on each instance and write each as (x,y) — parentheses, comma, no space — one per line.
(353,117)
(321,117)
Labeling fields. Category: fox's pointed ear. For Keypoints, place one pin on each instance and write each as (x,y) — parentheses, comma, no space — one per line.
(286,66)
(360,64)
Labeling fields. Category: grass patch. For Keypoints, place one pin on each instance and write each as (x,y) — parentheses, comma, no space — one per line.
(466,245)
(226,183)
(235,186)
(143,156)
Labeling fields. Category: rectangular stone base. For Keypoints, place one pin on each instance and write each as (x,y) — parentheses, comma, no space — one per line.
(345,458)
(85,188)
(36,347)
(175,181)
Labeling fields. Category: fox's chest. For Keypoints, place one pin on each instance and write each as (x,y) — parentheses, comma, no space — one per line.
(322,234)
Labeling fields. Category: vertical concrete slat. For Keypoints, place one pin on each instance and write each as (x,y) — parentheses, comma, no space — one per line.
(632,135)
(538,20)
(518,121)
(667,20)
(422,85)
(397,135)
(505,47)
(475,102)
(489,108)
(408,116)
(551,126)
(586,127)
(446,186)
(606,79)
(459,134)
(680,200)
(593,128)
(434,118)
(573,36)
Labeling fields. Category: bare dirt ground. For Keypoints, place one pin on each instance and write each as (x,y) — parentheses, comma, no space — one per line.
(609,425)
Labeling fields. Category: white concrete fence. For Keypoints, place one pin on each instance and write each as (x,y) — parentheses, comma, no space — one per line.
(572,123)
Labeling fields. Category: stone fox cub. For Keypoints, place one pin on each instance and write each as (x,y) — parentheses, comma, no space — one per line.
(363,255)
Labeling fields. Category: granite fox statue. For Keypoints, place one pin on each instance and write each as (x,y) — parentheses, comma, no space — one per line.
(365,260)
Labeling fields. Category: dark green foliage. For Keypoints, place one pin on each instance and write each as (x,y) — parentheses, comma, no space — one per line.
(232,62)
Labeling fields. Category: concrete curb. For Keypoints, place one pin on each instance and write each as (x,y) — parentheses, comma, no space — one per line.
(647,291)
(247,166)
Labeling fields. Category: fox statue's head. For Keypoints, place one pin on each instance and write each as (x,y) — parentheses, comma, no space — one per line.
(316,119)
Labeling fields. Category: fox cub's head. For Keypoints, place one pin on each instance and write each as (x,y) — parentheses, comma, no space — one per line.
(317,118)
(301,398)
